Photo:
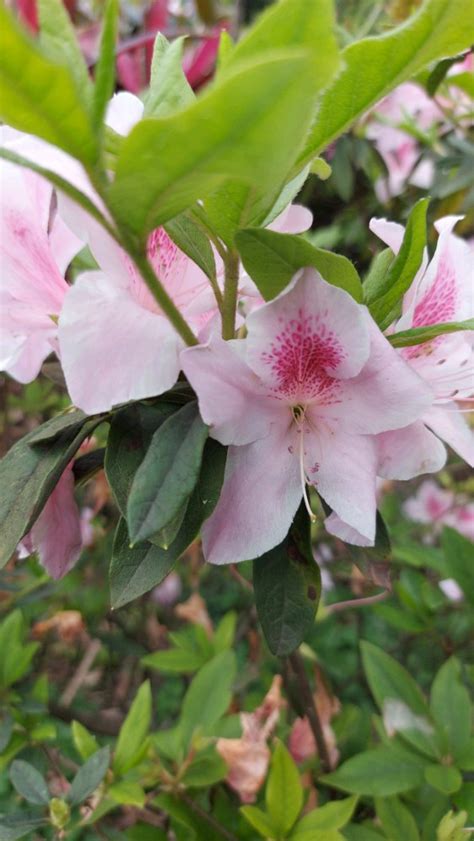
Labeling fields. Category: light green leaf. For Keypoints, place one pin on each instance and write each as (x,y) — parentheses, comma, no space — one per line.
(225,632)
(230,134)
(419,335)
(89,776)
(451,709)
(29,783)
(284,792)
(189,237)
(331,816)
(127,793)
(105,67)
(169,89)
(398,823)
(287,587)
(379,772)
(272,259)
(259,820)
(15,654)
(209,695)
(174,661)
(168,474)
(40,97)
(443,778)
(84,742)
(206,769)
(382,298)
(59,42)
(133,731)
(321,168)
(374,66)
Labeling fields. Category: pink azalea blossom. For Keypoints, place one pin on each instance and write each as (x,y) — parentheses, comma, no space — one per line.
(441,292)
(298,402)
(438,507)
(36,248)
(57,535)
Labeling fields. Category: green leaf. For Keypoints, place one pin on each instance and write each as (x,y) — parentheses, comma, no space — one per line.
(389,682)
(230,134)
(259,820)
(127,793)
(135,571)
(89,776)
(41,97)
(420,335)
(382,298)
(287,587)
(192,241)
(331,816)
(84,742)
(374,66)
(59,42)
(29,783)
(458,559)
(206,769)
(451,708)
(174,661)
(398,823)
(20,824)
(6,730)
(15,654)
(225,632)
(209,695)
(379,773)
(168,473)
(169,89)
(443,778)
(105,67)
(29,474)
(284,792)
(133,731)
(131,431)
(272,259)
(321,168)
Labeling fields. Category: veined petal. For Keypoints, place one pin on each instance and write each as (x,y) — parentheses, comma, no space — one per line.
(405,453)
(387,394)
(453,429)
(258,502)
(113,349)
(342,468)
(310,332)
(231,399)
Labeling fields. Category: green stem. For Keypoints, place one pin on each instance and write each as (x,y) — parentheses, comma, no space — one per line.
(231,287)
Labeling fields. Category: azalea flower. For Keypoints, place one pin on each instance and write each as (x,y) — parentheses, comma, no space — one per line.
(36,248)
(441,292)
(56,535)
(298,402)
(438,507)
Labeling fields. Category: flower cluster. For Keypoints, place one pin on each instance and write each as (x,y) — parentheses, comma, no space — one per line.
(312,395)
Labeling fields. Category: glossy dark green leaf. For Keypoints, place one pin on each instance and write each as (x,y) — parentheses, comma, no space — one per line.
(383,297)
(29,783)
(28,475)
(89,776)
(135,571)
(272,259)
(131,431)
(287,586)
(168,473)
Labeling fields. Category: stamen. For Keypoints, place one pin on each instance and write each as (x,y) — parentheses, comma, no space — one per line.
(312,515)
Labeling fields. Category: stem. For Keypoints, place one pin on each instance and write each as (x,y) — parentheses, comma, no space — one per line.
(201,813)
(231,286)
(310,711)
(363,602)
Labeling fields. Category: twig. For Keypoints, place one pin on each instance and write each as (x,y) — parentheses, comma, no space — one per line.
(310,711)
(201,813)
(80,674)
(363,602)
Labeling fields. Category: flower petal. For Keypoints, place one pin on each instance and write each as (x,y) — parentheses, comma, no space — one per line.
(112,349)
(259,499)
(230,397)
(311,331)
(453,429)
(293,220)
(56,535)
(405,453)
